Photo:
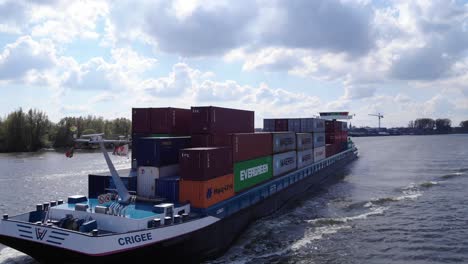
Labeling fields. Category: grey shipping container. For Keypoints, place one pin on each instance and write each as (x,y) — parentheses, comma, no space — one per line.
(319,125)
(319,139)
(269,125)
(294,124)
(307,125)
(319,154)
(304,141)
(284,162)
(305,158)
(284,141)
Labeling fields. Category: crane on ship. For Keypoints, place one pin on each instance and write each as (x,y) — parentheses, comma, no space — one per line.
(379,116)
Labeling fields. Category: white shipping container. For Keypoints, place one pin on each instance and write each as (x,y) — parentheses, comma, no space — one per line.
(284,141)
(319,154)
(284,162)
(146,186)
(305,158)
(319,139)
(304,141)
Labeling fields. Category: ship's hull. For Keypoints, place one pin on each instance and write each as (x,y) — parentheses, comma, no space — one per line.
(205,243)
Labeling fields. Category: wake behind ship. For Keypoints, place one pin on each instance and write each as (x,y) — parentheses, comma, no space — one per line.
(198,178)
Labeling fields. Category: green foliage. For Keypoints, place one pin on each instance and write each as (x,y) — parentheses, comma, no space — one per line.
(32,130)
(464,125)
(443,125)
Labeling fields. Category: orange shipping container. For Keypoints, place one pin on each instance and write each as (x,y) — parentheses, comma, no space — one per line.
(203,194)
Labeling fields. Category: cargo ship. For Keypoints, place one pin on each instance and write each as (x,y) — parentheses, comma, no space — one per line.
(199,177)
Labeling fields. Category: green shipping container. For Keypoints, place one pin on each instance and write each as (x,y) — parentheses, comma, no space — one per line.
(252,172)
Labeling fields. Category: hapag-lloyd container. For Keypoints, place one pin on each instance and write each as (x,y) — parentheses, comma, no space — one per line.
(201,164)
(203,194)
(284,162)
(269,125)
(247,146)
(319,154)
(159,151)
(146,186)
(141,120)
(284,141)
(319,139)
(168,187)
(252,172)
(218,120)
(209,140)
(294,124)
(168,120)
(304,141)
(305,158)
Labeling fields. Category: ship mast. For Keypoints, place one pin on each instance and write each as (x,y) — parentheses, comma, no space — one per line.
(124,195)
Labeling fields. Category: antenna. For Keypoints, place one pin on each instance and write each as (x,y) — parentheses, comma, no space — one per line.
(379,116)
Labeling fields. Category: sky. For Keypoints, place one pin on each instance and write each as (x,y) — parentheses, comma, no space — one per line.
(291,58)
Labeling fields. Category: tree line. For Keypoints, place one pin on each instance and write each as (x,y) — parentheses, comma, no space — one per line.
(32,130)
(437,126)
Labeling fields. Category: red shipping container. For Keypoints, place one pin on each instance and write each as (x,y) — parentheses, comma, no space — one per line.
(218,120)
(281,125)
(201,164)
(141,120)
(333,126)
(329,150)
(344,136)
(247,146)
(208,140)
(168,120)
(333,137)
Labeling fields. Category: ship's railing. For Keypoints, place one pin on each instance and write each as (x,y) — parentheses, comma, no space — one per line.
(259,193)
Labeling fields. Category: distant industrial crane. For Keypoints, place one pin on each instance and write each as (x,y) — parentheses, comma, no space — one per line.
(380,116)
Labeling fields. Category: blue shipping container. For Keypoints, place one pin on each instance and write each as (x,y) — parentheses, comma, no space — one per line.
(160,151)
(168,187)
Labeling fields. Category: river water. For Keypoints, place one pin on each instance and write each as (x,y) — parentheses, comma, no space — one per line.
(402,201)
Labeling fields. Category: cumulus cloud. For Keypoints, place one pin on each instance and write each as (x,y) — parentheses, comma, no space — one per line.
(25,55)
(209,29)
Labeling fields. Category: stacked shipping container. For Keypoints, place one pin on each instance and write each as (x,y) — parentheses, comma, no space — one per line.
(155,149)
(207,168)
(336,137)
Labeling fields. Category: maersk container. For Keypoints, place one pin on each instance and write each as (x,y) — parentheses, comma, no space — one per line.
(304,141)
(173,121)
(168,187)
(147,175)
(252,172)
(141,120)
(284,162)
(209,140)
(160,151)
(284,141)
(319,139)
(294,125)
(218,120)
(305,158)
(247,146)
(319,154)
(269,125)
(201,164)
(319,125)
